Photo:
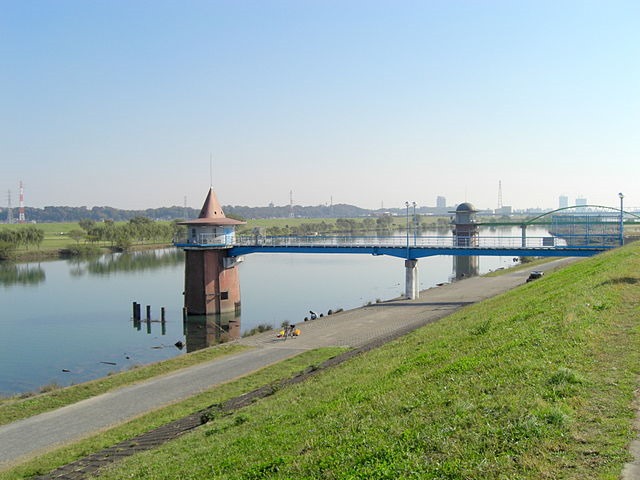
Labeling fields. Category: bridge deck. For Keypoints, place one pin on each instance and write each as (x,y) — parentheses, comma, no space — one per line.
(409,248)
(414,252)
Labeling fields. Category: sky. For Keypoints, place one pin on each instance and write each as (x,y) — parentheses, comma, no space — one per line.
(140,104)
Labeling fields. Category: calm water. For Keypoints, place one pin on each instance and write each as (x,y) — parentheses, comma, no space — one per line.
(70,321)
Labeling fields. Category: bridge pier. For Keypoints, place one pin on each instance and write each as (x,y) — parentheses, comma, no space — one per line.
(212,284)
(412,286)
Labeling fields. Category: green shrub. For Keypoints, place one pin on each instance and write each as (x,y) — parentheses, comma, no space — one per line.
(7,250)
(81,250)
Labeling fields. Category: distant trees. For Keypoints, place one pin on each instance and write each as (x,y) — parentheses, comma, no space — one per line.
(77,234)
(86,224)
(139,230)
(11,239)
(22,237)
(384,222)
(346,226)
(99,214)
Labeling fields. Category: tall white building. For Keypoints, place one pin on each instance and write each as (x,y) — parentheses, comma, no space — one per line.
(563,201)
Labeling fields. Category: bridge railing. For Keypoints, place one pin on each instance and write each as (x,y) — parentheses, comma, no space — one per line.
(397,241)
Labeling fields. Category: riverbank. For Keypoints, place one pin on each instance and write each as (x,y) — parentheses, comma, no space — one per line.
(39,255)
(347,329)
(536,383)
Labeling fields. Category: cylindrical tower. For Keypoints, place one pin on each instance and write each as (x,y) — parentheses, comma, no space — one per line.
(212,283)
(465,226)
(465,234)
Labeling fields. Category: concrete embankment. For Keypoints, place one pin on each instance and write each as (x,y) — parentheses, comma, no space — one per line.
(354,328)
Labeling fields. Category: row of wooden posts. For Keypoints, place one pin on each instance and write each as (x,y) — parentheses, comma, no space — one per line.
(137,317)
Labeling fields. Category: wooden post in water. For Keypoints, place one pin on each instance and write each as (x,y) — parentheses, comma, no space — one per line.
(136,311)
(184,320)
(162,315)
(148,312)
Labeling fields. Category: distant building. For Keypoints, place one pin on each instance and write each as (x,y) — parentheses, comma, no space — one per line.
(563,201)
(441,202)
(581,202)
(505,210)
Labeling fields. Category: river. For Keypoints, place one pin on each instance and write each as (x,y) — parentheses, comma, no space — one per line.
(69,321)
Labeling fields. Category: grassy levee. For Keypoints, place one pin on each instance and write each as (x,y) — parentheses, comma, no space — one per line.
(536,383)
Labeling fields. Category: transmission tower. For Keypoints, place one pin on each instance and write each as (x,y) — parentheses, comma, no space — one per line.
(499,193)
(21,218)
(9,209)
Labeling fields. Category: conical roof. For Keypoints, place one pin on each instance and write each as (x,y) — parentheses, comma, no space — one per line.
(212,214)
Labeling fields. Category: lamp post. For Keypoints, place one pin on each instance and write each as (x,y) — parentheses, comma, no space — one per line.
(407,205)
(621,196)
(415,224)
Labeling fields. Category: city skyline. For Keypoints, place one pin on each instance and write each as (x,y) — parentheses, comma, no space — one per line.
(132,104)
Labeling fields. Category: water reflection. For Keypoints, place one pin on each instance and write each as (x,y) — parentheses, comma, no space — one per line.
(137,324)
(202,331)
(24,274)
(126,262)
(465,267)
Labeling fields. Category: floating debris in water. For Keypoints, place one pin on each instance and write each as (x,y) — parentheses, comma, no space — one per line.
(109,363)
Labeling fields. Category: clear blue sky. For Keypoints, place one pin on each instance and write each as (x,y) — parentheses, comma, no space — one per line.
(122,103)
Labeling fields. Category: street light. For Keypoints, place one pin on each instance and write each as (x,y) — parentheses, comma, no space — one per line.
(415,224)
(407,205)
(621,218)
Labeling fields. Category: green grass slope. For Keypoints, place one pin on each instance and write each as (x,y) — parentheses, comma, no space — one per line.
(537,383)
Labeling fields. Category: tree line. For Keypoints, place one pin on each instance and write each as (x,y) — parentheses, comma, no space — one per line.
(51,214)
(123,235)
(348,226)
(26,237)
(91,234)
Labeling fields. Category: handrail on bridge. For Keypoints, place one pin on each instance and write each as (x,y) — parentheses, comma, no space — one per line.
(420,241)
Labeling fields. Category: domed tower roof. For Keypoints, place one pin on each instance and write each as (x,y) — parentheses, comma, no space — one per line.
(466,207)
(212,214)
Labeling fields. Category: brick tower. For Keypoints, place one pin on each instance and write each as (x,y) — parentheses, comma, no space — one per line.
(211,281)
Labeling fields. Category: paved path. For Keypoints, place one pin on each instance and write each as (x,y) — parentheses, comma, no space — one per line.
(36,435)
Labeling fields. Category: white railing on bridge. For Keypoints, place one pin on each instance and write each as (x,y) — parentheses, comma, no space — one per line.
(398,241)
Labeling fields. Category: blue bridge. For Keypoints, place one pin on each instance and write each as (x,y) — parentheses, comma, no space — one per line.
(408,248)
(572,232)
(413,248)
